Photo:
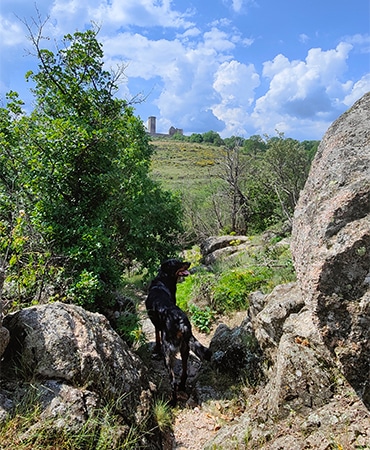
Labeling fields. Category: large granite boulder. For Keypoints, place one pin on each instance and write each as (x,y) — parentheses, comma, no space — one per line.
(268,324)
(298,367)
(77,364)
(331,243)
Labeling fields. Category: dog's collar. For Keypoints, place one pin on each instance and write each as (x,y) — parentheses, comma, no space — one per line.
(163,287)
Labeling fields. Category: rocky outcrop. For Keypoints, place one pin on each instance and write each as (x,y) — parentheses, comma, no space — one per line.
(300,377)
(220,247)
(331,243)
(268,322)
(78,365)
(66,342)
(303,401)
(341,423)
(236,351)
(298,367)
(315,334)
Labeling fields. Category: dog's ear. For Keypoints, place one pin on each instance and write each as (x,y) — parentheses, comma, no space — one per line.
(169,266)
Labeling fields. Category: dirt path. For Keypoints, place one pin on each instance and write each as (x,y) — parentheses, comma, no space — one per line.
(193,428)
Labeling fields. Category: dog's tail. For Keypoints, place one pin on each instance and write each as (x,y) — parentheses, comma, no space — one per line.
(202,352)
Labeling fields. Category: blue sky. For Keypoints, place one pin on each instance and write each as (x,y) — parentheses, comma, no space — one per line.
(238,67)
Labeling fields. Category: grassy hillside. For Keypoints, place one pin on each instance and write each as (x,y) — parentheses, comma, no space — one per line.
(187,167)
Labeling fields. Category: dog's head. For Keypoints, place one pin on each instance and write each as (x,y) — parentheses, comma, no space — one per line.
(174,268)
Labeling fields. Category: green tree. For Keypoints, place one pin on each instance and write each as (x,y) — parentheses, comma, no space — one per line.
(285,170)
(80,163)
(179,137)
(254,145)
(311,147)
(212,137)
(234,141)
(261,186)
(196,137)
(25,257)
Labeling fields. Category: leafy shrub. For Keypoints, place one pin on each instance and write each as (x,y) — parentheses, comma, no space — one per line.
(202,318)
(225,288)
(233,287)
(198,287)
(85,290)
(89,207)
(183,293)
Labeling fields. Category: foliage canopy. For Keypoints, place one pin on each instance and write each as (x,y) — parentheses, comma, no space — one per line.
(77,204)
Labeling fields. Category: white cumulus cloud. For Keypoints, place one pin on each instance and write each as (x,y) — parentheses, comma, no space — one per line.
(234,83)
(358,89)
(303,90)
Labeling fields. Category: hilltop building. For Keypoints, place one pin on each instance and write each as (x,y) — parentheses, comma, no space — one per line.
(152,128)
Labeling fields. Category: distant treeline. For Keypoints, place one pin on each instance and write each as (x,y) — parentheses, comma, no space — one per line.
(253,144)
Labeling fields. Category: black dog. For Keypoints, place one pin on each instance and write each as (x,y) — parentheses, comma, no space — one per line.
(172,326)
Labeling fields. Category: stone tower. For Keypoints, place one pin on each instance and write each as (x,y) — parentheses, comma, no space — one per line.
(152,124)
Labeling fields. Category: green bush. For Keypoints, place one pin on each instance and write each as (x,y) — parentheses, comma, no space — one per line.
(233,287)
(197,287)
(279,260)
(184,292)
(86,289)
(202,318)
